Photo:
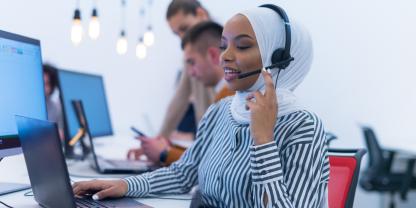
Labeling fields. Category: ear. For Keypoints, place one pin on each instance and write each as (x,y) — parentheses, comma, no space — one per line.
(214,53)
(202,13)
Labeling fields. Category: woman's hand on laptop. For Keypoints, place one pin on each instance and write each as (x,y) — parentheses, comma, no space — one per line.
(100,189)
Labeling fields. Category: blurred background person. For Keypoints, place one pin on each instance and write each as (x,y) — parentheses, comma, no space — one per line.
(53,103)
(181,15)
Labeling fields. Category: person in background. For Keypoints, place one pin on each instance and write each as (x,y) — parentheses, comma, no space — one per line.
(181,16)
(54,108)
(258,148)
(202,55)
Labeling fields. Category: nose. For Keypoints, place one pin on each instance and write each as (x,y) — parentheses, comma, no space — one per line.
(192,71)
(227,55)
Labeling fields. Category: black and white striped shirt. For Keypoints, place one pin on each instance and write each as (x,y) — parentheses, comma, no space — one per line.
(293,171)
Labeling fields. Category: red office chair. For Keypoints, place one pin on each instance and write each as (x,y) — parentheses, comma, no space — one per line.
(344,167)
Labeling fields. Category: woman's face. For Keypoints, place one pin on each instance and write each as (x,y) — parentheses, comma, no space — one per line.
(47,84)
(240,53)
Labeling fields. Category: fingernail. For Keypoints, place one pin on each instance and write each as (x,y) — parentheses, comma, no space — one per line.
(95,197)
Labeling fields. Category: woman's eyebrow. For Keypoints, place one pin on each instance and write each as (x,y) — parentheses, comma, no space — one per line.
(238,37)
(243,36)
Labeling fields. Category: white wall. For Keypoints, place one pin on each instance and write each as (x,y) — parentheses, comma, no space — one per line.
(362,71)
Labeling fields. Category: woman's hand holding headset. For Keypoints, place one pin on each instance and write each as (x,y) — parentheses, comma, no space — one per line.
(263,111)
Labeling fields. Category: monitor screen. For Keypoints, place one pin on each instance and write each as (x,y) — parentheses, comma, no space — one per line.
(21,87)
(90,90)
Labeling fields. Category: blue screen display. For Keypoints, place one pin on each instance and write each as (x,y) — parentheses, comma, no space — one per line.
(90,90)
(21,84)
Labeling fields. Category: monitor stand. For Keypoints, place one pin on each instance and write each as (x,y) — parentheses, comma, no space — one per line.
(6,188)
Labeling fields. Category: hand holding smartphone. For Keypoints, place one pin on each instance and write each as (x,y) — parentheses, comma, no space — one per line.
(139,133)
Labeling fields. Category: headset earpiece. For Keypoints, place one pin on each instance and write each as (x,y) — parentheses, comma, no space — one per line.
(277,56)
(281,57)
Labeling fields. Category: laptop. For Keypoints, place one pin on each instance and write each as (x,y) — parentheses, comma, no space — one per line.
(47,169)
(90,90)
(101,165)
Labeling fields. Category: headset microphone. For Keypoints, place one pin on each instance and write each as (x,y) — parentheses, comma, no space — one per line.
(258,71)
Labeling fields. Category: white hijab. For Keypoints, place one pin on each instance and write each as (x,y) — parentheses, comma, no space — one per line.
(269,29)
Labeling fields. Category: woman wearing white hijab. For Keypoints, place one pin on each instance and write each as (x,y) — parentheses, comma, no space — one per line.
(256,149)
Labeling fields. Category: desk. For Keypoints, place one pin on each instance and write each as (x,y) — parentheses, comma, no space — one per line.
(13,169)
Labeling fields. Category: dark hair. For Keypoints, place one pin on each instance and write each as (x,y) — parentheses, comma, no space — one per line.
(186,6)
(203,35)
(51,72)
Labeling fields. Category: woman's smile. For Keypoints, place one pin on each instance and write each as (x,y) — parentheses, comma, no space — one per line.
(230,73)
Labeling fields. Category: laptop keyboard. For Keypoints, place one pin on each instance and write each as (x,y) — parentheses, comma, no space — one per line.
(86,203)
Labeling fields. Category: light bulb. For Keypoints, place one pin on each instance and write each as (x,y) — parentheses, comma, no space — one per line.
(149,38)
(121,46)
(76,29)
(141,50)
(94,27)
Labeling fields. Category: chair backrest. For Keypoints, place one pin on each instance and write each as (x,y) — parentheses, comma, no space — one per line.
(330,137)
(343,176)
(376,160)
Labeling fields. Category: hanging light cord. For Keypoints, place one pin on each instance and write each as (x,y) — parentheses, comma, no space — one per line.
(149,14)
(142,17)
(123,15)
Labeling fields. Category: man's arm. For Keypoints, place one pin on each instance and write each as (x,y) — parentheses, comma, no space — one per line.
(203,98)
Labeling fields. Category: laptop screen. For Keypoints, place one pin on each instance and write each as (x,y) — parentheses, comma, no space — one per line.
(45,162)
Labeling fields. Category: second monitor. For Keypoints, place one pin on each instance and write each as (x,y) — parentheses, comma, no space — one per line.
(90,89)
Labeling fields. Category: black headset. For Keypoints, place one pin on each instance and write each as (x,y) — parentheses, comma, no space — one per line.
(281,57)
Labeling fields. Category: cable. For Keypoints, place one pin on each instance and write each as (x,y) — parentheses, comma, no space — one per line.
(5,204)
(277,77)
(28,193)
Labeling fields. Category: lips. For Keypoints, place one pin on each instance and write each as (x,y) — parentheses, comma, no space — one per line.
(230,73)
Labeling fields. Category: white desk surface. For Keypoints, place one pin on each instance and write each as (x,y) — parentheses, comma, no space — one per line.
(13,170)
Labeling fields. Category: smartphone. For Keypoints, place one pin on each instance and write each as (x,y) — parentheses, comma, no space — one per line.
(139,133)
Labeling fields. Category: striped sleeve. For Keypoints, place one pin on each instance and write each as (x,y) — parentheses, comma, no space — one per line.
(179,177)
(293,176)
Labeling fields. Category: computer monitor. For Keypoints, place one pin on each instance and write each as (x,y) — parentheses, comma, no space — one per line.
(90,90)
(21,91)
(21,87)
